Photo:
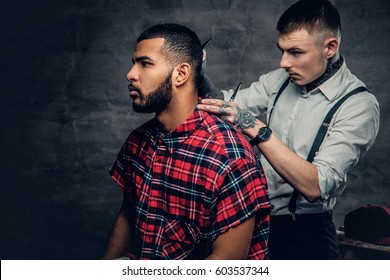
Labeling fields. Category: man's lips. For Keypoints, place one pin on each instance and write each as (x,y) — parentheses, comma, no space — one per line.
(133,91)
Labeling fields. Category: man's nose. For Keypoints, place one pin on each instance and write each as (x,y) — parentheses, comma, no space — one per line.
(132,74)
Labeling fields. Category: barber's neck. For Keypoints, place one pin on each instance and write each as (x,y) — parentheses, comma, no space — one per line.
(335,58)
(332,67)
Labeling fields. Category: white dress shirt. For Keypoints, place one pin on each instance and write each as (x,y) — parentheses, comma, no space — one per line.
(296,118)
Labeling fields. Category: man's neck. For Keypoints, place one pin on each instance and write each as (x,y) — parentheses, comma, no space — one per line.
(177,113)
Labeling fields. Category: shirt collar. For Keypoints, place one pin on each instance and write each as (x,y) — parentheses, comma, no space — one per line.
(331,87)
(177,137)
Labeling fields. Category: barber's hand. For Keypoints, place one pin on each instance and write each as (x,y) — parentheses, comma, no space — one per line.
(204,61)
(230,112)
(206,89)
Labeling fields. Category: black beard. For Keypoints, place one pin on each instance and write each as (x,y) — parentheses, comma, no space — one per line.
(157,100)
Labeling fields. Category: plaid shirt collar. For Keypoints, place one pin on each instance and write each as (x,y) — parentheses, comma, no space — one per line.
(175,138)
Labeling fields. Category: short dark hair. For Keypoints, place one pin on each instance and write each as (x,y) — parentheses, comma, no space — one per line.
(316,16)
(181,45)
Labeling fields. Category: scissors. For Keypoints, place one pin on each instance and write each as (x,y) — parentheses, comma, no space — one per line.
(235,92)
(206,43)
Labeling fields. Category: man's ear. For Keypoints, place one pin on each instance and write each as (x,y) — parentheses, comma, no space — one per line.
(182,74)
(331,47)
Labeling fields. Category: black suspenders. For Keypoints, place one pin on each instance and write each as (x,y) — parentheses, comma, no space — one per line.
(282,88)
(318,139)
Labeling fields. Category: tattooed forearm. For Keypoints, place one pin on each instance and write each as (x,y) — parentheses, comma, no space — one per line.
(244,119)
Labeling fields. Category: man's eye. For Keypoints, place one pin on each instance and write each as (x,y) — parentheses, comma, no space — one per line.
(145,63)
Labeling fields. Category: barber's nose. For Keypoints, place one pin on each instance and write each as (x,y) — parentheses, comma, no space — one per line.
(285,62)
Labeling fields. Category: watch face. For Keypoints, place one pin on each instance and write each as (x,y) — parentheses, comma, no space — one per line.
(265,133)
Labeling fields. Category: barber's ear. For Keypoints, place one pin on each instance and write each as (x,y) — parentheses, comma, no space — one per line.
(182,74)
(331,47)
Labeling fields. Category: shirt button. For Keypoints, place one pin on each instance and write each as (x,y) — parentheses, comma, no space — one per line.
(159,160)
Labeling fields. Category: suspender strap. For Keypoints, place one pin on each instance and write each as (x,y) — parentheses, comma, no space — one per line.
(318,140)
(325,124)
(282,88)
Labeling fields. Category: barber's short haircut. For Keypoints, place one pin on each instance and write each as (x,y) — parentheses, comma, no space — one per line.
(181,45)
(319,17)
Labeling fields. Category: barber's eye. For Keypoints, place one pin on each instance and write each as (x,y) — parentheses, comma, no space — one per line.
(295,53)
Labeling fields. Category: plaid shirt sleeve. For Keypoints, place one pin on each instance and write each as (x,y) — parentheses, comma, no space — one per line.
(243,193)
(122,168)
(118,169)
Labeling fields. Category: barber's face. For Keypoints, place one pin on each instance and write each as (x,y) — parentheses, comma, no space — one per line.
(150,78)
(302,58)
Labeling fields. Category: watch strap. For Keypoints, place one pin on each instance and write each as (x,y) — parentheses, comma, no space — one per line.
(255,141)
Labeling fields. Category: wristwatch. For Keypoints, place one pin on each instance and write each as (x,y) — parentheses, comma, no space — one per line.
(264,134)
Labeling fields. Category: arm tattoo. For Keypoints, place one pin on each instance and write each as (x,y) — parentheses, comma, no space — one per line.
(244,119)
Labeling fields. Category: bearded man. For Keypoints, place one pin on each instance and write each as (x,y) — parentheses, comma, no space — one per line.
(192,185)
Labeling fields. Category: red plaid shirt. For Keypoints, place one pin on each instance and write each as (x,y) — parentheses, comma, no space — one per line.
(186,187)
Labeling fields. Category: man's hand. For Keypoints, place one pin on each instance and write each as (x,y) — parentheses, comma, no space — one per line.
(232,113)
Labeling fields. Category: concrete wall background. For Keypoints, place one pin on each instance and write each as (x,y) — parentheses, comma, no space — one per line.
(65,111)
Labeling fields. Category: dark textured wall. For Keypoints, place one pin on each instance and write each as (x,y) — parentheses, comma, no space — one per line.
(65,111)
